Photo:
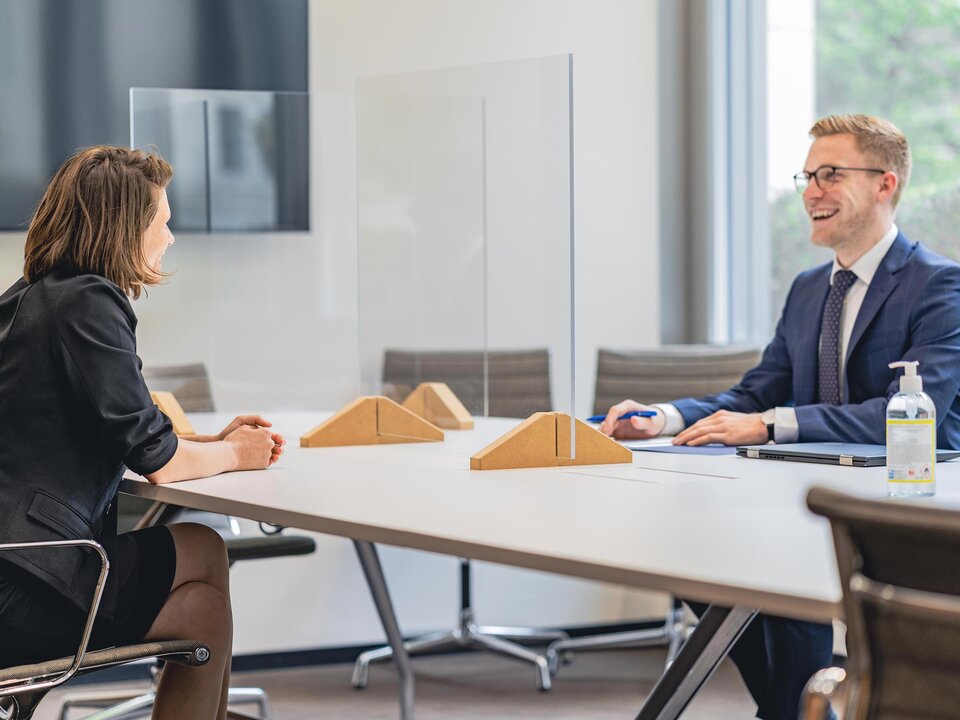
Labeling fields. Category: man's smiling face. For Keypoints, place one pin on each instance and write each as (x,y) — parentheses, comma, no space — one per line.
(847,210)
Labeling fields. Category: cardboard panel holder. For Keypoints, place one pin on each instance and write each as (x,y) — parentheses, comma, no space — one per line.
(543,440)
(371,420)
(171,408)
(436,403)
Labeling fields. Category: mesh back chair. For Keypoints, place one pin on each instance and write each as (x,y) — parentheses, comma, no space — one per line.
(191,387)
(188,383)
(668,373)
(23,687)
(519,380)
(658,375)
(519,385)
(901,601)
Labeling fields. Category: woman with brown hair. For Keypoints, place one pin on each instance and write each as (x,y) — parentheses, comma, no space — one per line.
(74,412)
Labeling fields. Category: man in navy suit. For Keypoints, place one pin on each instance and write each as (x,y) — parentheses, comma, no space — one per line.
(824,376)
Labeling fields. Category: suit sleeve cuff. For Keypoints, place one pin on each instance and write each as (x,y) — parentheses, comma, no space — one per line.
(785,427)
(674,420)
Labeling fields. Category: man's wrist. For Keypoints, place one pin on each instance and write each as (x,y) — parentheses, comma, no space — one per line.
(672,419)
(769,419)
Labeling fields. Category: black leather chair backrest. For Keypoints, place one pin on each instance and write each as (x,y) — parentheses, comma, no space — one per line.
(901,594)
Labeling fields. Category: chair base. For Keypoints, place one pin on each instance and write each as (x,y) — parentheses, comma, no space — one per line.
(124,706)
(470,635)
(672,633)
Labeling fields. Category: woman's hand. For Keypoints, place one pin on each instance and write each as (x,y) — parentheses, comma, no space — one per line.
(240,420)
(256,421)
(278,442)
(245,444)
(254,448)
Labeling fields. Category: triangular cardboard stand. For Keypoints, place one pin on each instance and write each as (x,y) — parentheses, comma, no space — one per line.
(543,440)
(171,408)
(436,403)
(371,420)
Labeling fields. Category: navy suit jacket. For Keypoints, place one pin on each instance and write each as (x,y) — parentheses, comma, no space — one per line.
(911,311)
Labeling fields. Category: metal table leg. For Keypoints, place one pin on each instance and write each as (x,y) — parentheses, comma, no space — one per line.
(719,628)
(370,563)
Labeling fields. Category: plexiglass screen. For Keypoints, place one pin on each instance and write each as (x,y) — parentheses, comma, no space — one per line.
(464,228)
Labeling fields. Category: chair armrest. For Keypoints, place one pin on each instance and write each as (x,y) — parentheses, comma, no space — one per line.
(822,689)
(269,546)
(9,687)
(181,652)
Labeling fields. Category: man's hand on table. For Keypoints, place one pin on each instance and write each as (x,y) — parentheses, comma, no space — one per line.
(725,427)
(635,428)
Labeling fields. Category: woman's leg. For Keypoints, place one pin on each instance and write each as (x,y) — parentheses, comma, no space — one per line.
(198,608)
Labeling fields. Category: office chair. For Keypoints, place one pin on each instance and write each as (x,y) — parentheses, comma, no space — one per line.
(518,380)
(23,687)
(901,601)
(191,386)
(518,385)
(657,375)
(669,372)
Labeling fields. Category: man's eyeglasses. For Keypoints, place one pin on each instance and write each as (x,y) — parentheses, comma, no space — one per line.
(826,176)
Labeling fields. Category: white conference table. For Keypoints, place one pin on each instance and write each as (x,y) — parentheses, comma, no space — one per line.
(727,531)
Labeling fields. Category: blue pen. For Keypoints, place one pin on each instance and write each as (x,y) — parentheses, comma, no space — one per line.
(635,413)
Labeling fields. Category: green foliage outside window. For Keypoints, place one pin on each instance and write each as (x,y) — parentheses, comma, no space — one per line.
(901,61)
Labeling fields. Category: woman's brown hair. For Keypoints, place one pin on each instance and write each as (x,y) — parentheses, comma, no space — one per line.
(93,215)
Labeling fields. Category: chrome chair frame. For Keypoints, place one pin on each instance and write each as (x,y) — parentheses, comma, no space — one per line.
(23,687)
(673,633)
(13,688)
(468,634)
(121,705)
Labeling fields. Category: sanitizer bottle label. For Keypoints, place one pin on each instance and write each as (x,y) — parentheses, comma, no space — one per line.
(910,450)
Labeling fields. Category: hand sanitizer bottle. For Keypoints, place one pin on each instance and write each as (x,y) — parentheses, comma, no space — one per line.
(911,437)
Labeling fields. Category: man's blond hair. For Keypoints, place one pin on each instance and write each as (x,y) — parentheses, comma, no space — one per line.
(878,139)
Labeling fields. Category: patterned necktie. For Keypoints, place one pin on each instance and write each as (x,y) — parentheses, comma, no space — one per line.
(829,370)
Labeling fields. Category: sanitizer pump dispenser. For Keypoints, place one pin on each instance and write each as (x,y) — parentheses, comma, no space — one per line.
(911,437)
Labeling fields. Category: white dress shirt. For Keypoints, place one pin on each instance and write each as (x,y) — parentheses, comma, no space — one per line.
(785,418)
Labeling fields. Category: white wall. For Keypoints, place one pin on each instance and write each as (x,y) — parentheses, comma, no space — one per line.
(791,92)
(275,318)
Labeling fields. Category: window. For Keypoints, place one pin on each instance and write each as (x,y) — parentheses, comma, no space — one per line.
(898,60)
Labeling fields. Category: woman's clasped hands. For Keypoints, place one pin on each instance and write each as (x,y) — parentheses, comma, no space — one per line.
(255,445)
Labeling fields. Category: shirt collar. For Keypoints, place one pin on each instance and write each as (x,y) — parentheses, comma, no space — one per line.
(866,267)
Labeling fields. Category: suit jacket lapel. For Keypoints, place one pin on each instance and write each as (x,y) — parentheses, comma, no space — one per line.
(884,281)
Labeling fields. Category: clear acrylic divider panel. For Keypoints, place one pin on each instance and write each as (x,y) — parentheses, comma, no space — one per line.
(241,157)
(464,228)
(270,310)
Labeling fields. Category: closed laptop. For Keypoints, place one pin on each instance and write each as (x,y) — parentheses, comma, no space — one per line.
(829,453)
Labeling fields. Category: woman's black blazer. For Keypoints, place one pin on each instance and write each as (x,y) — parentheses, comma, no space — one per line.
(74,410)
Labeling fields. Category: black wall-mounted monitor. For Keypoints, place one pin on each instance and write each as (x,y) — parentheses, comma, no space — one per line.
(67,68)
